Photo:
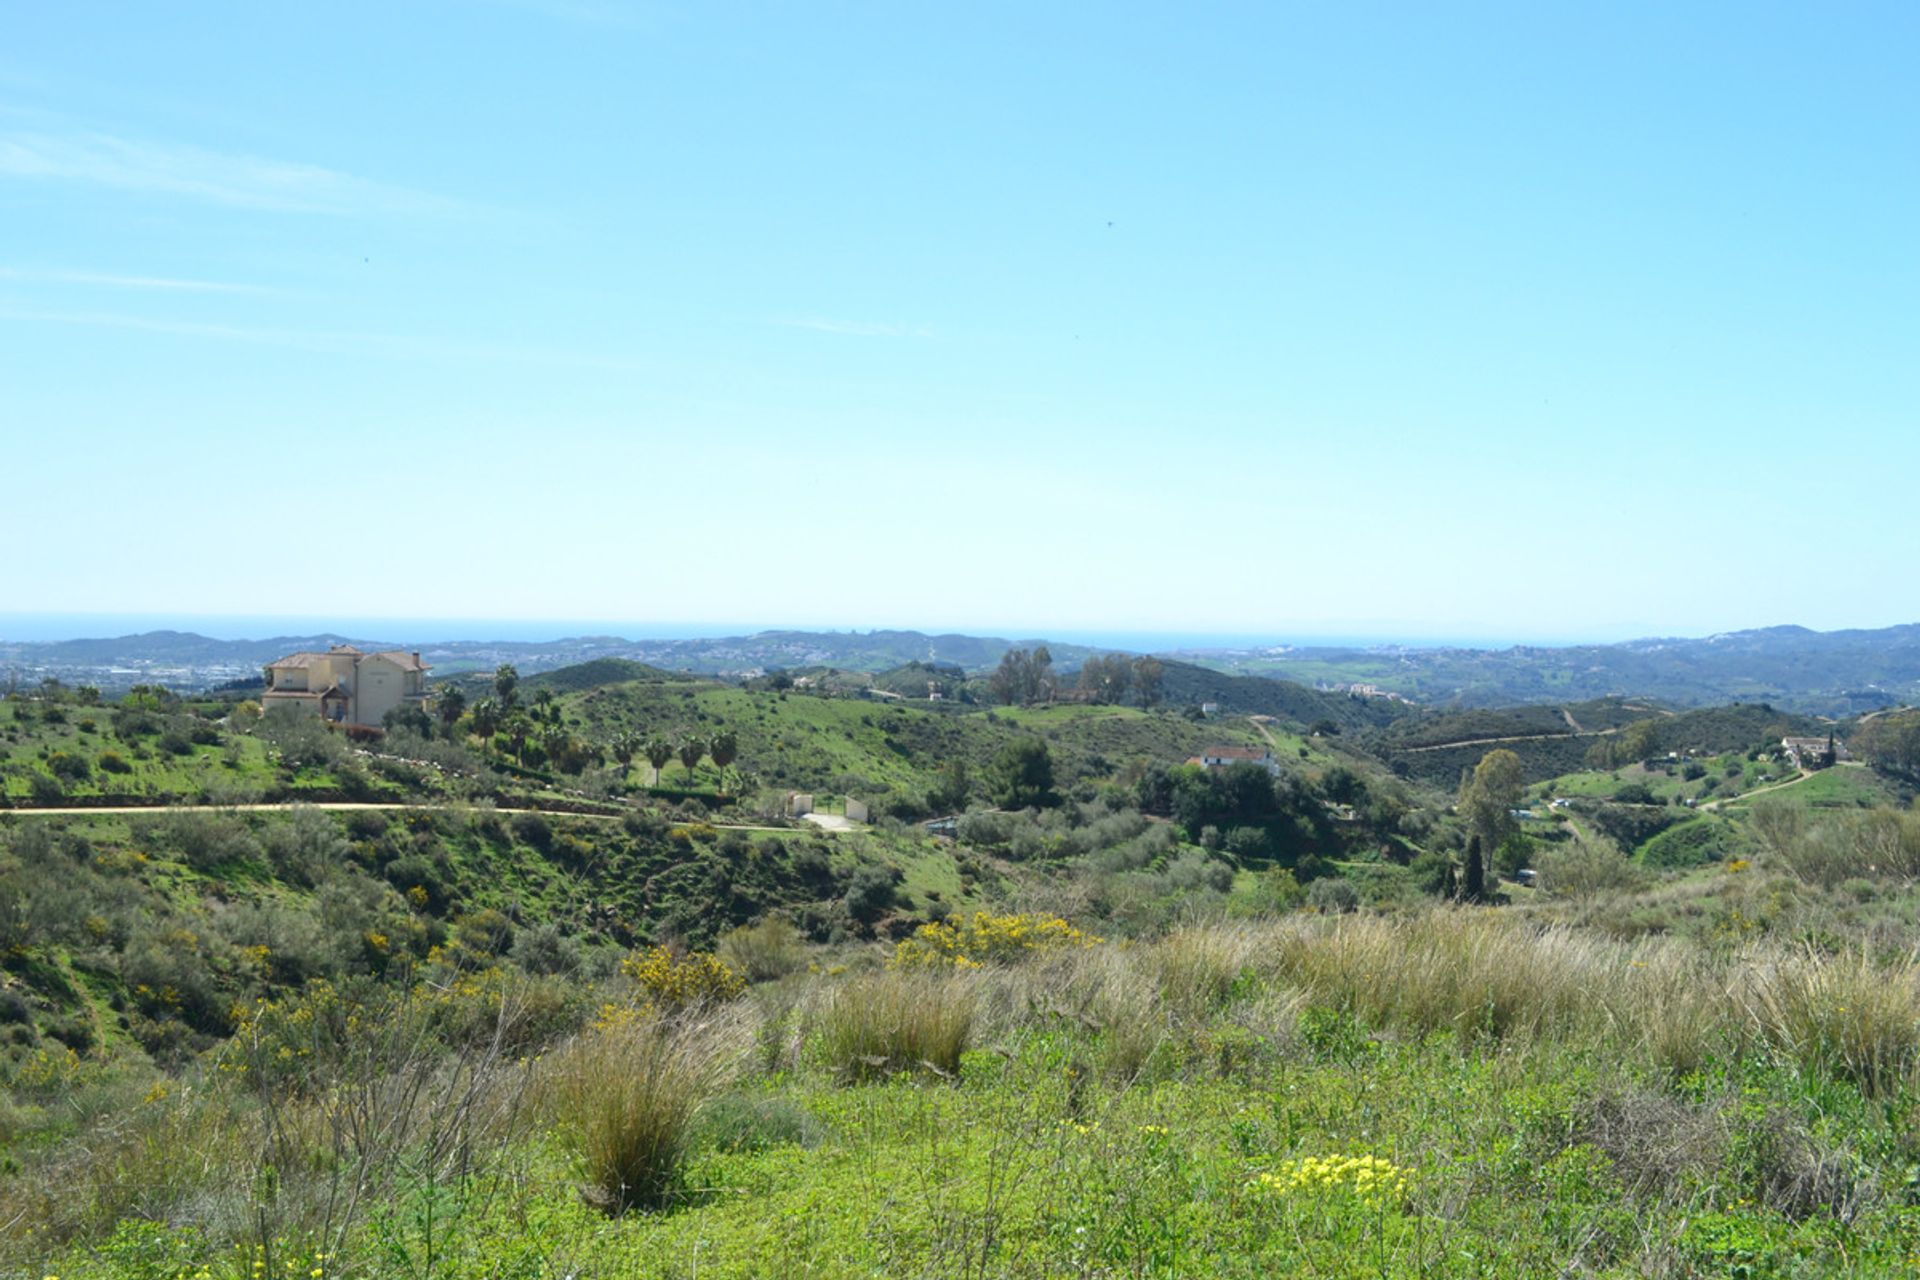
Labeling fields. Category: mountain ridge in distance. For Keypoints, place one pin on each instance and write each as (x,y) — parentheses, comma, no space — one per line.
(1826,673)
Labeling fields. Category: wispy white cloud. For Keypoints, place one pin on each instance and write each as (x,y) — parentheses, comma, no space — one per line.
(402,346)
(856,328)
(244,181)
(108,280)
(186,328)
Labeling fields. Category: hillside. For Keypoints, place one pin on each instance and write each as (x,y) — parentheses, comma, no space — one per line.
(1188,685)
(881,751)
(447,845)
(1836,673)
(598,672)
(1552,740)
(185,992)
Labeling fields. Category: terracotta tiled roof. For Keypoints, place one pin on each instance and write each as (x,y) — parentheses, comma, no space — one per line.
(300,661)
(401,659)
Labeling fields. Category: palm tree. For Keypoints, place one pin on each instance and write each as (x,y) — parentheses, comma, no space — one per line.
(657,751)
(486,718)
(724,748)
(625,747)
(691,749)
(519,731)
(449,702)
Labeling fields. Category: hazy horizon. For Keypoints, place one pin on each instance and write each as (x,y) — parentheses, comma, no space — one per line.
(29,628)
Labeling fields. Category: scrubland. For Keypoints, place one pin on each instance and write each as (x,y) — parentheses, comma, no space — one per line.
(1452,1091)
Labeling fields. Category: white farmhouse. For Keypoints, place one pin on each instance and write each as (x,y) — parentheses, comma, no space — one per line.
(1227,757)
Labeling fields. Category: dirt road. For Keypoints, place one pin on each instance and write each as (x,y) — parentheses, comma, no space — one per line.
(334,806)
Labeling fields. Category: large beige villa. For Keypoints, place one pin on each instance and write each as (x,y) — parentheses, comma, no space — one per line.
(346,685)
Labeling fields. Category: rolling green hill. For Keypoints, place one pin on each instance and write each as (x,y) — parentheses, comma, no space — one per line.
(1188,685)
(600,671)
(1552,740)
(879,750)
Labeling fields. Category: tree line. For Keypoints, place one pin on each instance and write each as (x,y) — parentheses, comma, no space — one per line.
(1025,677)
(533,732)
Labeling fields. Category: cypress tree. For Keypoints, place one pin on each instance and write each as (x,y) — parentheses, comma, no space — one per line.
(1475,887)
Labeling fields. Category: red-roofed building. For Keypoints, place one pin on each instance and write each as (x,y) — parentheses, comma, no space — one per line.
(1227,757)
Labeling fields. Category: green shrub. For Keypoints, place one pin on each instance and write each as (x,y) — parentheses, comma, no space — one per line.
(113,762)
(304,846)
(486,933)
(417,872)
(871,892)
(533,830)
(207,840)
(546,949)
(737,1124)
(1587,868)
(764,952)
(1333,894)
(69,767)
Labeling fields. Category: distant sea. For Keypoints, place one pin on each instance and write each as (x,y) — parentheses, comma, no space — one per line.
(41,627)
(90,626)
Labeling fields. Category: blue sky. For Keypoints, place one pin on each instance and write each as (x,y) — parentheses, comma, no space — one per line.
(1534,321)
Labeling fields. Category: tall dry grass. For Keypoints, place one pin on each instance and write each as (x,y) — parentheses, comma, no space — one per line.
(1846,1015)
(1464,970)
(626,1096)
(876,1024)
(1195,968)
(1110,991)
(1487,974)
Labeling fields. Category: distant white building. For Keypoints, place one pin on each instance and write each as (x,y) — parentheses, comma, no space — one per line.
(1811,753)
(1227,757)
(347,686)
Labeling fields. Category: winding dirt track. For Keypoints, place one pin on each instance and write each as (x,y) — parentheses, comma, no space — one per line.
(1522,737)
(82,811)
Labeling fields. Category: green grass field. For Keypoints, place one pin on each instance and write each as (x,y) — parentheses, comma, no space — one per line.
(1841,787)
(150,765)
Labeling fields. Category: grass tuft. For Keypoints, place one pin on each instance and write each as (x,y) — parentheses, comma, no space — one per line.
(629,1093)
(898,1020)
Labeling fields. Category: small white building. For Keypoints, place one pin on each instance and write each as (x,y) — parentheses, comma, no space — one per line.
(346,685)
(1811,753)
(1227,757)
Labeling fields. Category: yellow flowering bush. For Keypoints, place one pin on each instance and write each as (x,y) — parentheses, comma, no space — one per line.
(986,939)
(279,1041)
(672,982)
(1375,1181)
